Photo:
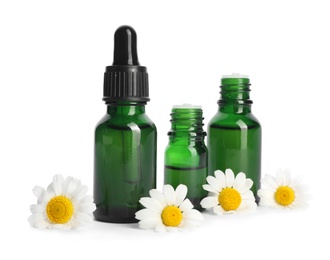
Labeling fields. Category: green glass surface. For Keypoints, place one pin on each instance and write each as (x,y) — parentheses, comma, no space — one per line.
(193,178)
(124,163)
(234,134)
(186,154)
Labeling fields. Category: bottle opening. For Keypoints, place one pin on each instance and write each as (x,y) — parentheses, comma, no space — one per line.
(235,76)
(186,106)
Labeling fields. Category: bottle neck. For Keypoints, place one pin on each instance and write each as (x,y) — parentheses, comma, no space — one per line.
(126,108)
(186,125)
(234,108)
(235,95)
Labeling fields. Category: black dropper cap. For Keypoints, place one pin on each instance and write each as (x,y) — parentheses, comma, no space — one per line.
(125,80)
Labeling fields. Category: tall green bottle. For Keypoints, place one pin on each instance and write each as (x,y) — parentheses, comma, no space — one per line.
(234,133)
(125,138)
(186,153)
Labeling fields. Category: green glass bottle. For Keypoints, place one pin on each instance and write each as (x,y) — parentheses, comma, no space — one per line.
(234,133)
(125,138)
(186,153)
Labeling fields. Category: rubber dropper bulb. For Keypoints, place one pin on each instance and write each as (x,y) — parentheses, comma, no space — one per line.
(125,80)
(125,50)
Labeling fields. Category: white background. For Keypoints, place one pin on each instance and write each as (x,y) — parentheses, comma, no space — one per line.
(52,58)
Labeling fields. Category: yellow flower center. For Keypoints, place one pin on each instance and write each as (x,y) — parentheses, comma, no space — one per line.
(59,210)
(229,199)
(171,216)
(284,195)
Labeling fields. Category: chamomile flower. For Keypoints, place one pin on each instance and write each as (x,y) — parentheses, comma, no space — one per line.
(228,193)
(282,191)
(64,205)
(168,211)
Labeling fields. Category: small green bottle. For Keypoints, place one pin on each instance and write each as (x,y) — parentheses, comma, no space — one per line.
(186,154)
(234,133)
(125,138)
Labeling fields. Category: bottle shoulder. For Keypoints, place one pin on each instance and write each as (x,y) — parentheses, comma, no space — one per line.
(126,122)
(185,155)
(234,120)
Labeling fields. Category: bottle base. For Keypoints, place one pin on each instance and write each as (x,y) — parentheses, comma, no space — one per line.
(115,216)
(115,220)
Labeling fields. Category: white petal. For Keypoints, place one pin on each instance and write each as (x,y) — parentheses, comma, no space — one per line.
(87,199)
(209,188)
(67,226)
(192,218)
(180,194)
(247,205)
(193,214)
(57,185)
(50,190)
(35,217)
(150,223)
(40,224)
(160,227)
(287,177)
(38,191)
(265,193)
(72,224)
(41,194)
(246,186)
(302,188)
(296,181)
(301,202)
(82,218)
(301,195)
(157,195)
(280,178)
(214,183)
(301,192)
(38,220)
(37,208)
(229,212)
(169,194)
(239,180)
(146,214)
(209,202)
(151,204)
(268,202)
(186,205)
(270,181)
(248,195)
(189,224)
(218,210)
(171,229)
(230,177)
(86,208)
(70,186)
(79,193)
(221,178)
